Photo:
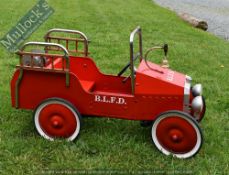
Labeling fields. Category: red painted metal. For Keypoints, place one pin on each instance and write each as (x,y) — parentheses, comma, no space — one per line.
(176,135)
(76,81)
(154,94)
(94,93)
(57,120)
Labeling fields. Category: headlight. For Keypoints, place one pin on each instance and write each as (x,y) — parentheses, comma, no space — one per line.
(197,104)
(197,90)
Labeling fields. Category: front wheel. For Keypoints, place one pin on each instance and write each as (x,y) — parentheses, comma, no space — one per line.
(57,118)
(178,134)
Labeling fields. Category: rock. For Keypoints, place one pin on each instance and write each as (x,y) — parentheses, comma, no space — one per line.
(198,23)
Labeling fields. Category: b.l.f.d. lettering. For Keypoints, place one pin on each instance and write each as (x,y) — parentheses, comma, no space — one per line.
(106,99)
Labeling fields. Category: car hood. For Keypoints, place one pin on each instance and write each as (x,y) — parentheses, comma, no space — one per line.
(152,78)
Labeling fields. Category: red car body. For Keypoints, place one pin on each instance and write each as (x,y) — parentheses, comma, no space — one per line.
(95,93)
(150,90)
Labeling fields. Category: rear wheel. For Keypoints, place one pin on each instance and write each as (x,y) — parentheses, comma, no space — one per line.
(57,118)
(178,134)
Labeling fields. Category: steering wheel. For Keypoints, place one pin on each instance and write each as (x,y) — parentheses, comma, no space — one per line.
(124,69)
(128,65)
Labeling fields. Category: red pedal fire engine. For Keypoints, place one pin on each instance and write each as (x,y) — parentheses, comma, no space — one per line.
(60,84)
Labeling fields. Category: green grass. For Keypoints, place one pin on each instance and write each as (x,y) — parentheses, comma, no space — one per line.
(108,143)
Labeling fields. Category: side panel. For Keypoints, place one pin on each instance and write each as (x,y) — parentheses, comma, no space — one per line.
(85,69)
(152,105)
(156,96)
(13,87)
(37,86)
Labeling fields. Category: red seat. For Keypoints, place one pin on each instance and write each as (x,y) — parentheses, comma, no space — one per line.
(57,64)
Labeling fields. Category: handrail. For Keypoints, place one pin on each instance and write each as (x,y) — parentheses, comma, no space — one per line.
(65,56)
(85,39)
(45,44)
(133,33)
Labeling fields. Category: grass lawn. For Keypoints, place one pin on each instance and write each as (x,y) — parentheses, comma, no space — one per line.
(108,143)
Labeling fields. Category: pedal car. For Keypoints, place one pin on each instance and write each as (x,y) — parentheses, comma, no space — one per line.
(60,83)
